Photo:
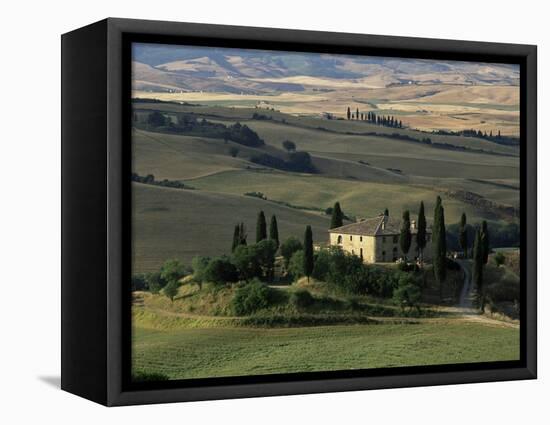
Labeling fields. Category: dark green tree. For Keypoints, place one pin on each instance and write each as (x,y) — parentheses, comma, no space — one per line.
(386,212)
(242,234)
(236,238)
(289,247)
(308,252)
(289,146)
(265,254)
(349,113)
(337,218)
(247,262)
(439,246)
(357,114)
(171,289)
(463,235)
(484,241)
(405,234)
(172,270)
(478,269)
(421,231)
(261,227)
(274,231)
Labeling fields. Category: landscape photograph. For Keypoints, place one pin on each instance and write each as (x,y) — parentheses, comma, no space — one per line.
(309,212)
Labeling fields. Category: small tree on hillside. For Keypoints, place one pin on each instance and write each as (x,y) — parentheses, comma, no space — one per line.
(289,247)
(236,238)
(357,114)
(261,227)
(242,234)
(337,219)
(405,234)
(233,151)
(349,113)
(274,231)
(171,289)
(421,231)
(308,252)
(289,145)
(439,245)
(463,235)
(484,241)
(172,270)
(499,259)
(386,212)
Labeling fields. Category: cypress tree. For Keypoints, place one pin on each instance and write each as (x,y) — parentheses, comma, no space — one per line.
(439,245)
(357,114)
(308,252)
(242,234)
(478,268)
(337,218)
(386,212)
(405,235)
(236,238)
(484,242)
(261,227)
(274,230)
(349,113)
(463,235)
(421,232)
(400,124)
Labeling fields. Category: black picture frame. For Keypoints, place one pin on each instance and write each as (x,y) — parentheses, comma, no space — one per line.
(96,206)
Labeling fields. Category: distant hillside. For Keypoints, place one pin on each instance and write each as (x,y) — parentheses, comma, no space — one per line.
(256,71)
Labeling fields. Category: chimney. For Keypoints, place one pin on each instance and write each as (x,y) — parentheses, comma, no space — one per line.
(384,222)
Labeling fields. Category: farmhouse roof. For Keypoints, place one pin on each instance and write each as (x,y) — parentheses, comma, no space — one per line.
(378,226)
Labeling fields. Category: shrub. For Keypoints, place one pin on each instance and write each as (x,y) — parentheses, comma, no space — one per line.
(289,247)
(321,265)
(139,282)
(296,265)
(408,267)
(220,270)
(155,282)
(172,270)
(408,292)
(199,264)
(171,289)
(245,258)
(301,298)
(251,297)
(499,259)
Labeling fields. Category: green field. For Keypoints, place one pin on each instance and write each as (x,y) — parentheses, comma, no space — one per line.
(215,352)
(172,223)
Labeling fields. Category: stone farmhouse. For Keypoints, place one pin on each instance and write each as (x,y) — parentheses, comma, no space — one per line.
(376,240)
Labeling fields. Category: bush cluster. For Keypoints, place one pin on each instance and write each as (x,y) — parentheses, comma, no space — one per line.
(251,297)
(301,299)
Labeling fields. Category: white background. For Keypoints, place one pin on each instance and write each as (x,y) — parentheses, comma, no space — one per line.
(30,211)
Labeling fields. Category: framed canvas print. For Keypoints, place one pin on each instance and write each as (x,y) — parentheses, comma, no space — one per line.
(252,212)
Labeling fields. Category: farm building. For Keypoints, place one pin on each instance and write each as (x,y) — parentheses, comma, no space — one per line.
(376,239)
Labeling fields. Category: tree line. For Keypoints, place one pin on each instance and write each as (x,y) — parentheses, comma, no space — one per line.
(384,120)
(191,125)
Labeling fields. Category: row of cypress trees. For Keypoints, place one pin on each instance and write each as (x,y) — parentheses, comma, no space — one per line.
(240,234)
(387,121)
(239,238)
